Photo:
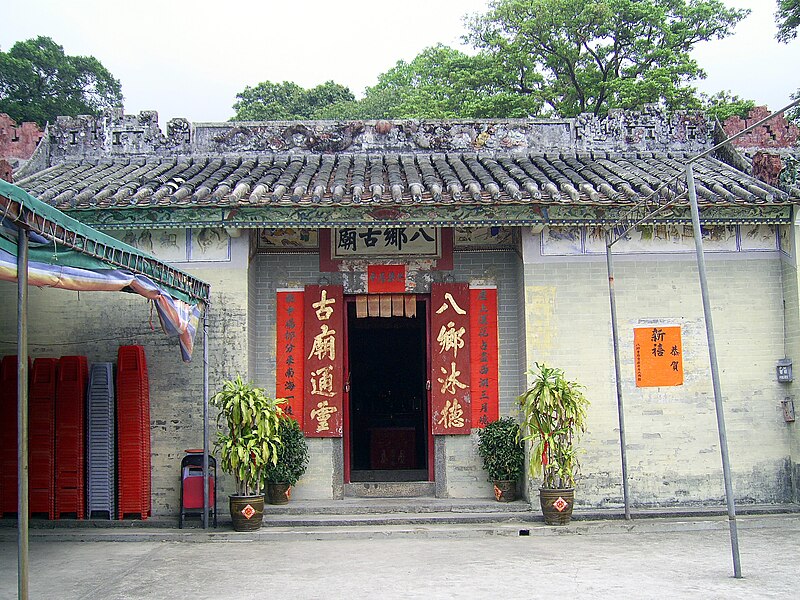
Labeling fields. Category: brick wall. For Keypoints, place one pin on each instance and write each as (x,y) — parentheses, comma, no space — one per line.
(777,133)
(673,445)
(18,141)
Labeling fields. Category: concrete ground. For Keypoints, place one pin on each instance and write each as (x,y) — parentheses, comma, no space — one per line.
(653,558)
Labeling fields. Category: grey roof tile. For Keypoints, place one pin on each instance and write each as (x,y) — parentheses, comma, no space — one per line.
(596,178)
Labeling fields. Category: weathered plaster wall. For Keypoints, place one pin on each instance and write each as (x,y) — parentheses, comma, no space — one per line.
(791,298)
(96,324)
(673,445)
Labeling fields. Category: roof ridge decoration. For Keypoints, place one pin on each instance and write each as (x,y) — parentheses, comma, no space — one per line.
(649,130)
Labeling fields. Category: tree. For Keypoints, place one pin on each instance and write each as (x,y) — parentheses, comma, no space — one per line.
(287,101)
(724,104)
(443,83)
(591,55)
(787,18)
(38,82)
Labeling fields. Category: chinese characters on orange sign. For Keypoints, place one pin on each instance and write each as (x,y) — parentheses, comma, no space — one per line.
(658,356)
(483,353)
(324,327)
(289,351)
(450,394)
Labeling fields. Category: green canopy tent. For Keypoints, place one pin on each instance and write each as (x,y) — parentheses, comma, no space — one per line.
(42,246)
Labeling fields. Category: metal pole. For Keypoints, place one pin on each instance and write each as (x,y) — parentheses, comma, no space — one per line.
(205,418)
(618,376)
(712,354)
(22,414)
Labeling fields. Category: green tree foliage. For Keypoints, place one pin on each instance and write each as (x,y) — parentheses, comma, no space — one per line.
(787,18)
(442,82)
(286,101)
(591,55)
(38,82)
(725,104)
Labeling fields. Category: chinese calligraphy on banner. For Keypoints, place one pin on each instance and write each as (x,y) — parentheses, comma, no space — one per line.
(289,351)
(658,355)
(483,354)
(450,364)
(324,364)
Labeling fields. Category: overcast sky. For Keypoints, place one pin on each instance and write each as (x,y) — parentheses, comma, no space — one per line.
(189,58)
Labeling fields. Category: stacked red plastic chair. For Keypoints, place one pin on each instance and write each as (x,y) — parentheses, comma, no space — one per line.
(70,412)
(133,433)
(41,436)
(8,435)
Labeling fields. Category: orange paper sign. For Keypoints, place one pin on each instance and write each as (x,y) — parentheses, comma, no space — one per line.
(658,356)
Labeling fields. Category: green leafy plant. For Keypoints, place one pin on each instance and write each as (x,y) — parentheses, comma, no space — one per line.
(252,439)
(292,455)
(500,448)
(553,415)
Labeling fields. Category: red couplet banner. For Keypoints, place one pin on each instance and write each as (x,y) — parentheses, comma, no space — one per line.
(289,351)
(483,356)
(450,352)
(324,360)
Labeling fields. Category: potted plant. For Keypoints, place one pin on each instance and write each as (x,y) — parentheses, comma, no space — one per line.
(553,415)
(248,444)
(290,464)
(503,456)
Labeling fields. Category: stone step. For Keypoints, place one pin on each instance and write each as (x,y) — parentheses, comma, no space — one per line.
(389,489)
(419,505)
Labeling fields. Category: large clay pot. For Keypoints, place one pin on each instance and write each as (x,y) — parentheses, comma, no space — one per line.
(505,490)
(557,505)
(279,493)
(247,512)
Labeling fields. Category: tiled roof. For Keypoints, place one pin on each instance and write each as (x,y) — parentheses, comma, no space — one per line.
(576,178)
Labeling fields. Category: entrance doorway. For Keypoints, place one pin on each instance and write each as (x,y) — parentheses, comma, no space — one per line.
(387,432)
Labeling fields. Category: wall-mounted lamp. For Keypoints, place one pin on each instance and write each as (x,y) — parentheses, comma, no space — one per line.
(784,370)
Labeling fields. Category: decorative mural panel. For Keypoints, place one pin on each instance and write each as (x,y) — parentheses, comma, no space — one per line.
(759,237)
(785,239)
(665,238)
(560,241)
(287,238)
(450,359)
(484,356)
(166,244)
(484,236)
(323,353)
(488,215)
(210,244)
(289,351)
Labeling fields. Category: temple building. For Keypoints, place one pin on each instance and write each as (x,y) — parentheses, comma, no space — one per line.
(395,280)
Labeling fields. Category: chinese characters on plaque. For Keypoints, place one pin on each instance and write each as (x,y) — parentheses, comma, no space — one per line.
(353,242)
(483,354)
(450,353)
(324,330)
(289,351)
(658,356)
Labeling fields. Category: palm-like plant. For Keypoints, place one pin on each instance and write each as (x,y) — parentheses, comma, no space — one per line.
(553,415)
(250,444)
